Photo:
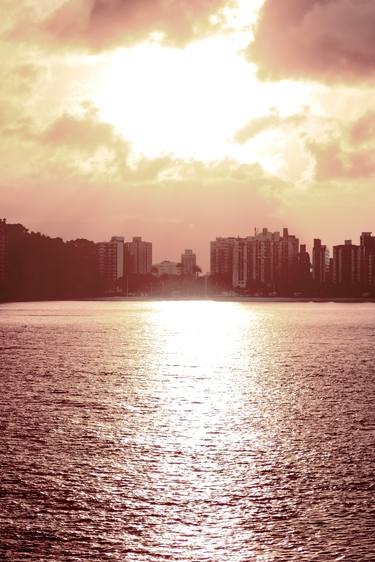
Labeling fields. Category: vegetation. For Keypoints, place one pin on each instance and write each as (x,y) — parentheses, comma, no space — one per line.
(40,267)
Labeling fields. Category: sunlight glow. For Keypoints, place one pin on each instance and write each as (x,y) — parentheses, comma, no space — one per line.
(190,102)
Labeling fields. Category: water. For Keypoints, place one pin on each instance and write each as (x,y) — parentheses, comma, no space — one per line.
(187,431)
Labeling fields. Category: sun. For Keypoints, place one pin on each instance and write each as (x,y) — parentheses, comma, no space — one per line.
(190,102)
(184,101)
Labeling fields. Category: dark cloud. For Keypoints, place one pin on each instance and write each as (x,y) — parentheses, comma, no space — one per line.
(102,24)
(328,40)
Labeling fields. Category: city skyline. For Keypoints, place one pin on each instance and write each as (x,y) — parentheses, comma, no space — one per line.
(183,123)
(131,240)
(265,263)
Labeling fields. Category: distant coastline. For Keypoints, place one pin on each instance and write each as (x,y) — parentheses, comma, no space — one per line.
(236,298)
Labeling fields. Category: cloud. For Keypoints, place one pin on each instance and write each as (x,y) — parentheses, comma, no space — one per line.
(335,162)
(363,130)
(325,40)
(103,24)
(83,132)
(272,121)
(345,152)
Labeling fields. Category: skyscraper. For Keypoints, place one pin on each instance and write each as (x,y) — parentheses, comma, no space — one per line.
(110,260)
(138,257)
(221,262)
(240,265)
(320,263)
(287,261)
(304,269)
(347,265)
(265,261)
(189,262)
(3,250)
(262,259)
(367,249)
(254,261)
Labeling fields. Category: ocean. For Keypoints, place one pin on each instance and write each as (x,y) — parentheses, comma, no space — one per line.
(200,431)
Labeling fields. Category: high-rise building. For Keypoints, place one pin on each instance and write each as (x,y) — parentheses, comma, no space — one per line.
(221,258)
(239,263)
(138,257)
(3,250)
(188,262)
(287,260)
(265,261)
(320,265)
(367,245)
(304,268)
(254,260)
(347,265)
(110,260)
(263,253)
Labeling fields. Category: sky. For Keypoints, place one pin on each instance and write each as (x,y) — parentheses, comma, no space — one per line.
(183,120)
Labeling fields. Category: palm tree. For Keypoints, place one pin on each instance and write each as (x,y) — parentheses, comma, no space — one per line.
(196,270)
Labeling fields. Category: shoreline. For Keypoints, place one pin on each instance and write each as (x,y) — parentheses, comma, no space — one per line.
(239,299)
(236,298)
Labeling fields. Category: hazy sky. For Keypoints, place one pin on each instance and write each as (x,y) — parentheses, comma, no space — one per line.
(183,120)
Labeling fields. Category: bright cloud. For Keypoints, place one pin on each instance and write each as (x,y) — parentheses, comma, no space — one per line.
(124,116)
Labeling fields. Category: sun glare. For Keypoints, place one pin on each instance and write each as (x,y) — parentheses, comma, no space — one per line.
(190,102)
(182,101)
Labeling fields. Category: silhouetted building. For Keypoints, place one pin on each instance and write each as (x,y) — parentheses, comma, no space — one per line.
(304,268)
(367,245)
(287,261)
(110,260)
(138,257)
(165,267)
(255,261)
(221,259)
(3,250)
(239,263)
(263,252)
(347,265)
(320,265)
(188,262)
(265,262)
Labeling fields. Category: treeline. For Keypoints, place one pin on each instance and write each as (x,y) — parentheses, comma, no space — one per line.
(40,267)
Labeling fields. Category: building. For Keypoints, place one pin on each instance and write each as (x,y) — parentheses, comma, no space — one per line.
(347,265)
(188,262)
(265,261)
(286,260)
(254,261)
(221,258)
(3,250)
(138,257)
(239,263)
(110,262)
(320,263)
(263,251)
(367,249)
(165,268)
(304,268)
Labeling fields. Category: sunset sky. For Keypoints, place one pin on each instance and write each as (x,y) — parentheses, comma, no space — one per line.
(183,120)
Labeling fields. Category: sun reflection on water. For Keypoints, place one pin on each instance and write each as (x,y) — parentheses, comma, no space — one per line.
(195,422)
